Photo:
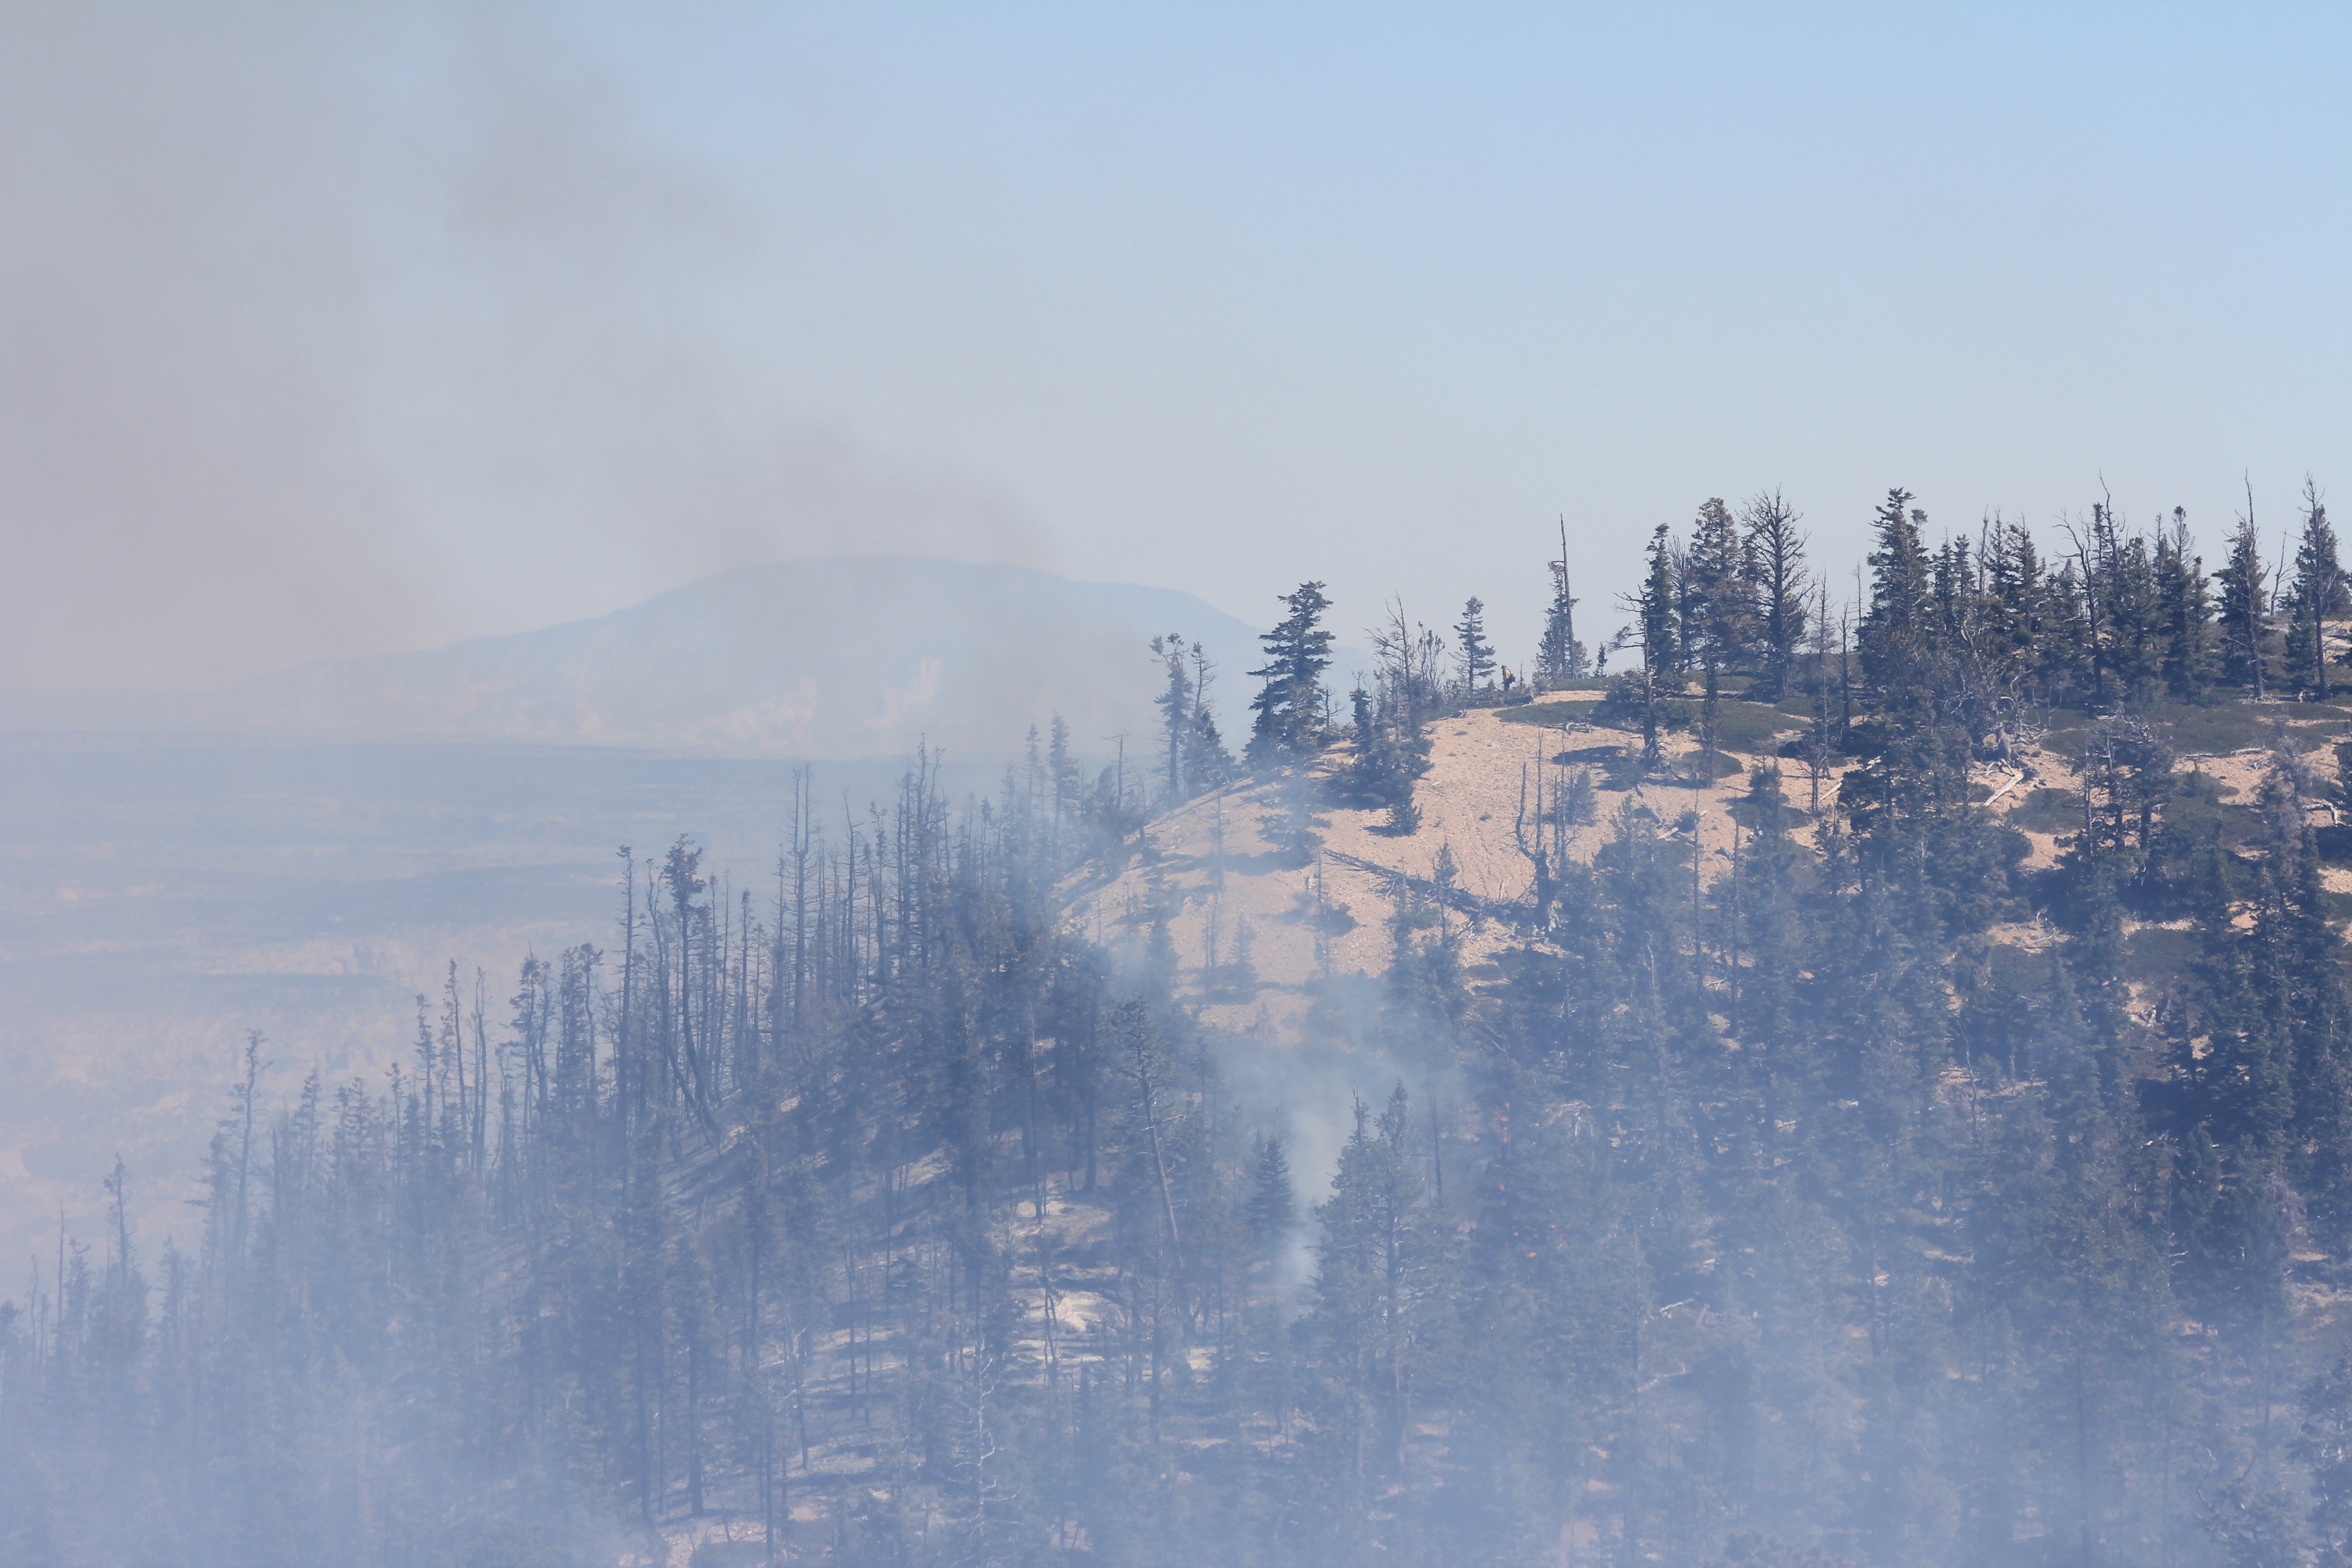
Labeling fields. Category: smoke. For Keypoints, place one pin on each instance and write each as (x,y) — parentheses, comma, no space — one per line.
(333,331)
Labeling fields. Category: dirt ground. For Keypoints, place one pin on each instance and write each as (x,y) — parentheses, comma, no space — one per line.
(1213,861)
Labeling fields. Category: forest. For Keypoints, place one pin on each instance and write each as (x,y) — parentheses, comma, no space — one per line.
(1870,1194)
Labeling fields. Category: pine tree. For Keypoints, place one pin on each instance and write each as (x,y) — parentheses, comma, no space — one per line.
(2244,610)
(1895,639)
(2186,610)
(1475,654)
(1775,554)
(1560,657)
(1273,1207)
(1718,591)
(1378,1288)
(1178,717)
(2123,605)
(1207,764)
(1659,605)
(1289,705)
(2318,595)
(1391,755)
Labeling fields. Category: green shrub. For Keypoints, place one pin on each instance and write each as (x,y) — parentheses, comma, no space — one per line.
(2155,953)
(1724,766)
(1742,726)
(2048,811)
(1574,710)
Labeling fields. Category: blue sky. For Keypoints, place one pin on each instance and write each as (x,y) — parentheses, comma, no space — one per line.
(368,328)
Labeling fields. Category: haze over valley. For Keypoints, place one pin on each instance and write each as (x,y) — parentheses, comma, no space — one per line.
(305,852)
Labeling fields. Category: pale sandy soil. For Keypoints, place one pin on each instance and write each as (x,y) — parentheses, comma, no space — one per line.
(1215,859)
(1216,865)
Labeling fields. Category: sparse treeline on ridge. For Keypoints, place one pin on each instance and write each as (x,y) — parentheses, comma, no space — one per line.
(1881,1191)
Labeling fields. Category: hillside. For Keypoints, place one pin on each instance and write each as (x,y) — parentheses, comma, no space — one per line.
(1910,1131)
(1211,864)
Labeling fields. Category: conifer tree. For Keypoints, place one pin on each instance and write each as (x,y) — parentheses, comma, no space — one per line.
(1177,713)
(2244,608)
(2185,609)
(1720,611)
(1775,553)
(2318,595)
(1474,652)
(1718,591)
(1378,1289)
(1560,657)
(1894,633)
(1273,1207)
(1658,605)
(1207,764)
(1289,705)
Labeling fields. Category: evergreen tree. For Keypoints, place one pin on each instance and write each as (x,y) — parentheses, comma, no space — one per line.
(2186,611)
(1273,1207)
(1207,764)
(1177,716)
(1658,606)
(2122,601)
(1380,1293)
(2318,595)
(1475,654)
(1560,657)
(1895,634)
(1289,705)
(1718,591)
(1720,611)
(2244,608)
(1391,755)
(1775,559)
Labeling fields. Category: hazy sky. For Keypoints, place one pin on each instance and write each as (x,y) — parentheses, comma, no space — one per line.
(327,330)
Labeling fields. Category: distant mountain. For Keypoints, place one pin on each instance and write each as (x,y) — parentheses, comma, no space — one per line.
(837,657)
